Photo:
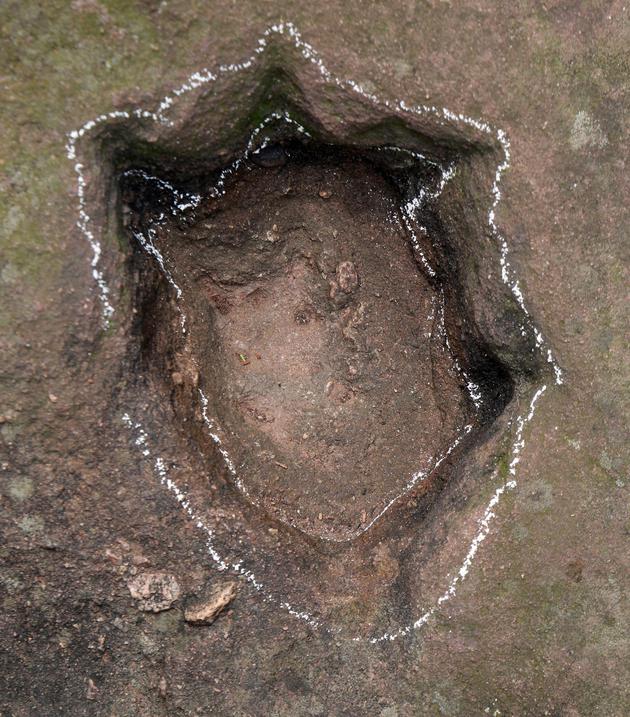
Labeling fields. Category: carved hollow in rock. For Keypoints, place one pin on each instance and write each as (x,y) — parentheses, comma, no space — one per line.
(318,312)
(316,293)
(268,208)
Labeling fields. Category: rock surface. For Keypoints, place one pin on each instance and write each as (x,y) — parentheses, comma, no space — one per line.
(541,624)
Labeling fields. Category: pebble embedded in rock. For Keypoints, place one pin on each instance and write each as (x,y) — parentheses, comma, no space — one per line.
(206,610)
(92,690)
(154,592)
(347,277)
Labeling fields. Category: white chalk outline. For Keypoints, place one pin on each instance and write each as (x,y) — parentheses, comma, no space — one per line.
(443,115)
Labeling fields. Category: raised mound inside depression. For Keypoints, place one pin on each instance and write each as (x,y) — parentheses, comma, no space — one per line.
(321,344)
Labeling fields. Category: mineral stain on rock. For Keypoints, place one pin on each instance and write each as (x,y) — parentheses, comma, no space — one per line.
(586,132)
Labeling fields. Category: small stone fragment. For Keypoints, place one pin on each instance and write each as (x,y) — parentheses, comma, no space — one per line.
(347,277)
(154,591)
(205,611)
(92,689)
(324,194)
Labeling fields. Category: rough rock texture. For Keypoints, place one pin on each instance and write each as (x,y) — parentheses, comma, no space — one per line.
(540,625)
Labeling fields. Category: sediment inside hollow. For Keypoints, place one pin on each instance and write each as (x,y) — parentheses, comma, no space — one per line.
(321,343)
